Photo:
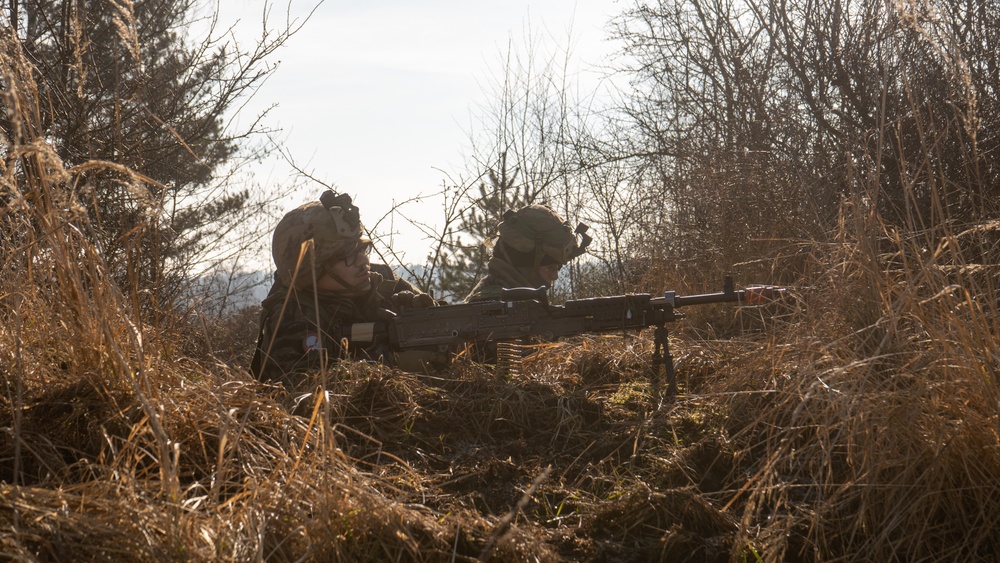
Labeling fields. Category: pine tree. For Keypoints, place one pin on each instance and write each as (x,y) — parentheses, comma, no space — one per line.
(464,263)
(121,82)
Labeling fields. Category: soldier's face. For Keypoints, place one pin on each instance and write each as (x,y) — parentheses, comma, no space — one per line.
(354,270)
(549,273)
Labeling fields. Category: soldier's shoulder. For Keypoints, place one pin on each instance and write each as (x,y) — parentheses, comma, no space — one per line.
(383,270)
(485,292)
(391,282)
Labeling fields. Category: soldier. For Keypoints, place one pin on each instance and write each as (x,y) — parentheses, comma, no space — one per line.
(533,243)
(328,301)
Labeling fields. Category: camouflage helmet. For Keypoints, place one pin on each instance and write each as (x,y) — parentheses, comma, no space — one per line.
(334,226)
(538,231)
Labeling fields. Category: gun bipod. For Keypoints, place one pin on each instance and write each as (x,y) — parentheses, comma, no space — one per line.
(662,357)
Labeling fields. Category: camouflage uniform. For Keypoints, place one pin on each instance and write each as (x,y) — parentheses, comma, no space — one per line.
(291,343)
(301,328)
(530,237)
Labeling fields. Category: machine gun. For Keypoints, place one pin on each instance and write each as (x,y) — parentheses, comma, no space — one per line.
(526,312)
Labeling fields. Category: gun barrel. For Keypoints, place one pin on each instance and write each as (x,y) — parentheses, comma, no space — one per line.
(762,294)
(755,294)
(721,297)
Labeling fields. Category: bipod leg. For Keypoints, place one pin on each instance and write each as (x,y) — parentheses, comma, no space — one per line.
(661,356)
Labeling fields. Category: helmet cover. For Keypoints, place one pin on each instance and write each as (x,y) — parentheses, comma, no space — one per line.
(537,227)
(332,224)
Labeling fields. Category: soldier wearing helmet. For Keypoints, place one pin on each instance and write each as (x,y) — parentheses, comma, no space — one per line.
(327,298)
(532,244)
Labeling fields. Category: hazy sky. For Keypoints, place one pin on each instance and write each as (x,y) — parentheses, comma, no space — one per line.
(377,97)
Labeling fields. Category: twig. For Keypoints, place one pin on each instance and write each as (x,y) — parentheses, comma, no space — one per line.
(505,522)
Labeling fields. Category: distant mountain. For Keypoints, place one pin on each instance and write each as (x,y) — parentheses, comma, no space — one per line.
(223,292)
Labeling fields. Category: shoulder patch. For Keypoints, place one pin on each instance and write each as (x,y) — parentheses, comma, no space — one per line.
(311,342)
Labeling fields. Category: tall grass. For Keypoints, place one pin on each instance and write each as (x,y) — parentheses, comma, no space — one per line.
(879,441)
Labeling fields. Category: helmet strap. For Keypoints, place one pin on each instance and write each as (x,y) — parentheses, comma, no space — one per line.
(354,289)
(539,254)
(357,289)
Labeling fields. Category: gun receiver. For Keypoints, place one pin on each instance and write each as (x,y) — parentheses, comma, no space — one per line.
(526,312)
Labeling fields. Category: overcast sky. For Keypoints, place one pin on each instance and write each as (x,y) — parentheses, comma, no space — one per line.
(378,97)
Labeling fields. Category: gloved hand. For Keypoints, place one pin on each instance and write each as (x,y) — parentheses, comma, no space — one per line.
(423,300)
(411,300)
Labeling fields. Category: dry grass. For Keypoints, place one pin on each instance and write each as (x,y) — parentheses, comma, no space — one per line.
(861,426)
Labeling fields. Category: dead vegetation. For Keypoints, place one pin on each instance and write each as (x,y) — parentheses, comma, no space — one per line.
(860,425)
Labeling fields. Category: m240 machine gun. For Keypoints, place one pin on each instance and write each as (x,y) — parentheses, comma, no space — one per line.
(526,312)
